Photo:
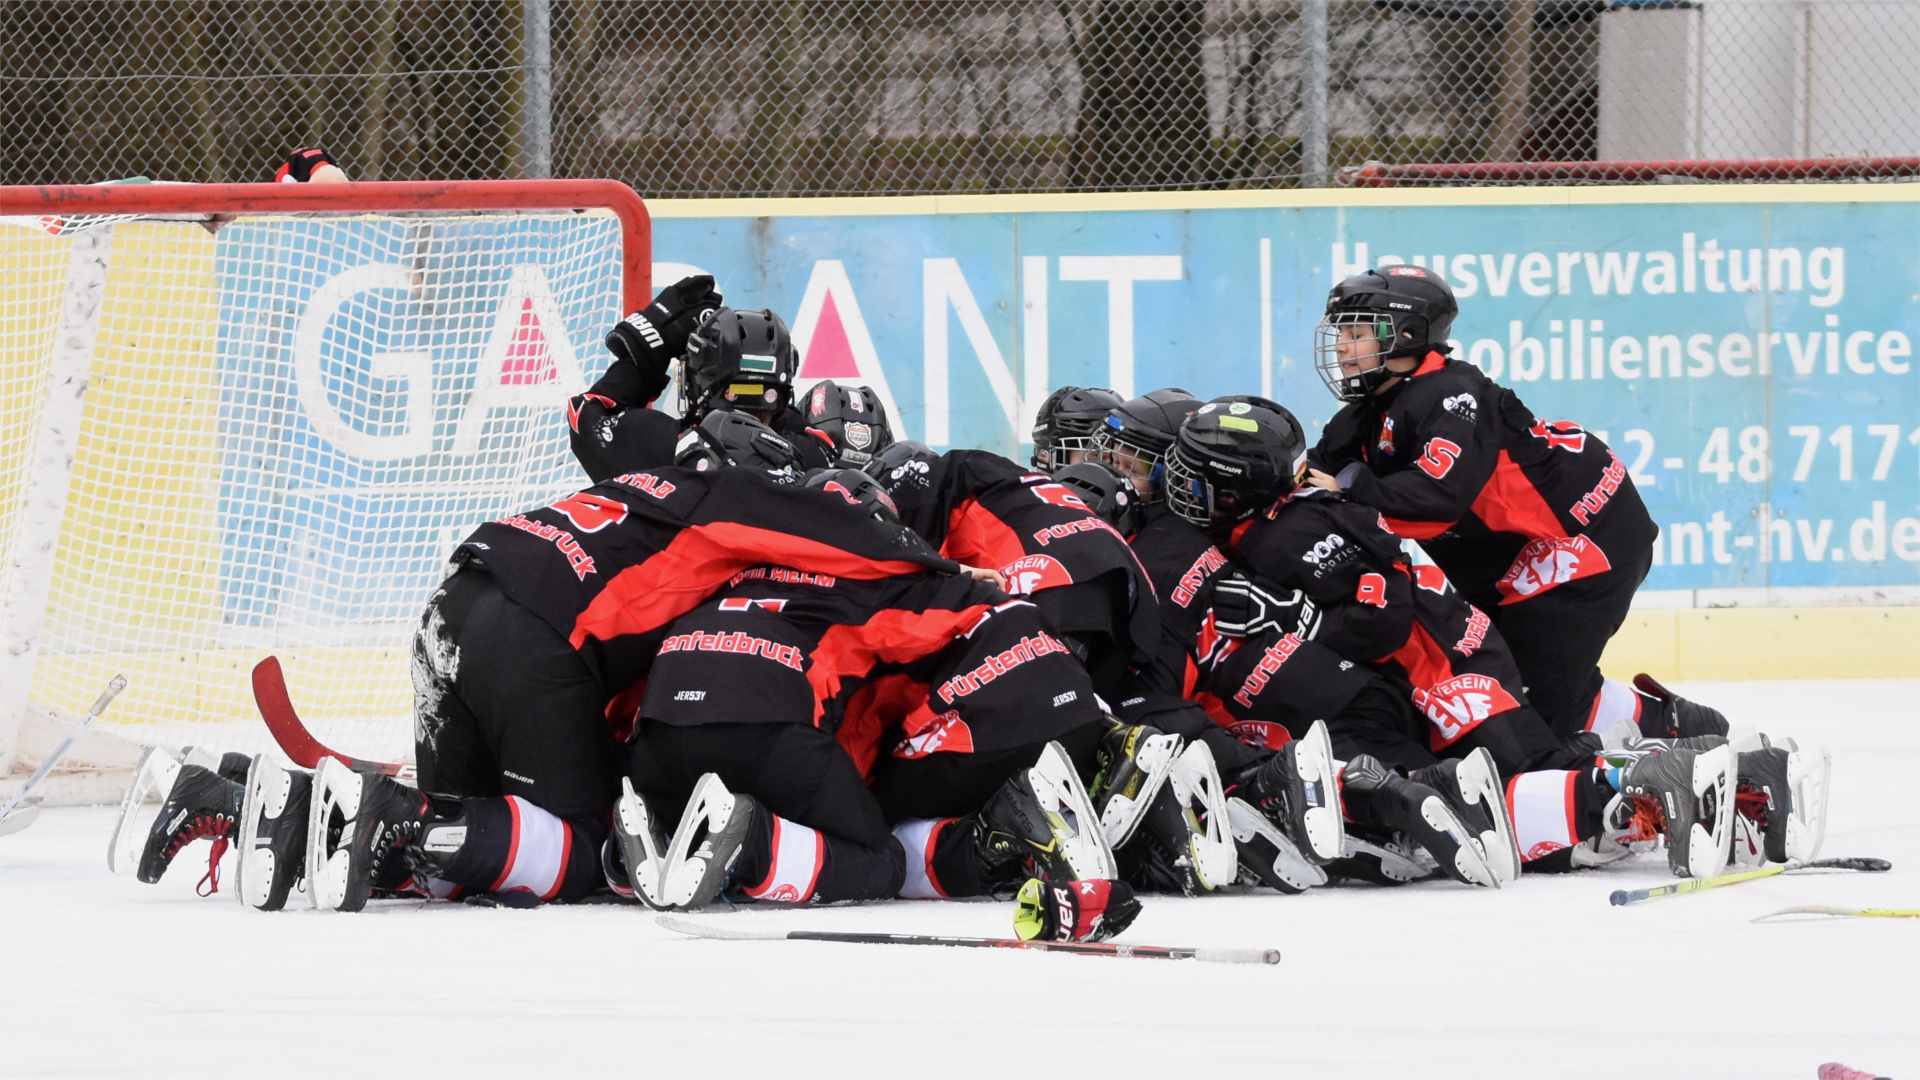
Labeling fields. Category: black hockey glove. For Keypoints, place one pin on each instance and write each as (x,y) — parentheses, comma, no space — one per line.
(1241,608)
(656,335)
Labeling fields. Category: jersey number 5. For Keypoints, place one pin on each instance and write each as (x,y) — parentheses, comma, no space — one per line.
(1439,457)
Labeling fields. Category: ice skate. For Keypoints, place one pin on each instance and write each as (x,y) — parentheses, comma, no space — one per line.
(1780,803)
(1381,859)
(711,832)
(1379,796)
(1666,715)
(1295,790)
(643,848)
(358,822)
(1185,840)
(152,779)
(1040,823)
(1471,786)
(272,834)
(1135,761)
(1268,856)
(1687,796)
(200,804)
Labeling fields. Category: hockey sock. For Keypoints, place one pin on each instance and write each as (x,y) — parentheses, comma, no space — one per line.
(1615,715)
(941,860)
(1554,809)
(785,861)
(507,844)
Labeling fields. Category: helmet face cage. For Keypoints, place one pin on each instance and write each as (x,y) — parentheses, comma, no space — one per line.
(1187,491)
(1337,327)
(1150,454)
(1069,421)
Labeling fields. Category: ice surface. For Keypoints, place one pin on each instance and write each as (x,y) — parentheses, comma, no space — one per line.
(101,975)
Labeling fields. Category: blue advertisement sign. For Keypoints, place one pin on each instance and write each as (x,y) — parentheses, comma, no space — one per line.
(1751,362)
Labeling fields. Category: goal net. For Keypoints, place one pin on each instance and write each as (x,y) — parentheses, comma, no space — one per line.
(241,420)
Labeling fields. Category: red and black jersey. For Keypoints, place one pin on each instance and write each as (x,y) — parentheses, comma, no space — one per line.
(1405,621)
(610,567)
(1508,504)
(1184,566)
(909,666)
(983,510)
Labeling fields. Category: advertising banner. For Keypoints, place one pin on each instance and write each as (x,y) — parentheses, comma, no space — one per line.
(1751,361)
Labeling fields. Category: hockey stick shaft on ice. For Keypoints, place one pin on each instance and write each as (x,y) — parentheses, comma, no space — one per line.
(1080,948)
(1856,913)
(117,684)
(276,708)
(1865,865)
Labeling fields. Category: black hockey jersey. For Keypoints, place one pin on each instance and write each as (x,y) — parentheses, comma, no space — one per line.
(1507,504)
(610,567)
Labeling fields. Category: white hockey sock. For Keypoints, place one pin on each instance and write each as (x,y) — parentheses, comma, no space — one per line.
(537,853)
(1615,715)
(798,853)
(917,835)
(1542,805)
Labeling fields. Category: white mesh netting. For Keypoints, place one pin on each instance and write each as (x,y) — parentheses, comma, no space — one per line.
(287,424)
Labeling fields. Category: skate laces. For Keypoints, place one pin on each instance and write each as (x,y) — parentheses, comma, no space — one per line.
(1751,803)
(1649,820)
(214,826)
(210,883)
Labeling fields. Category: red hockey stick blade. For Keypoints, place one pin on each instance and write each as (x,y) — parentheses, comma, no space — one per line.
(276,708)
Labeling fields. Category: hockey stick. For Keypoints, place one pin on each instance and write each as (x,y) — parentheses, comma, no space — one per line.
(11,822)
(1082,948)
(1622,897)
(1864,913)
(276,708)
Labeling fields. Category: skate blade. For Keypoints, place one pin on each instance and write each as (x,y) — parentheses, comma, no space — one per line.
(152,779)
(645,861)
(702,846)
(1196,782)
(1710,846)
(1395,864)
(1469,864)
(1313,760)
(1121,816)
(1286,869)
(1809,773)
(336,789)
(255,860)
(1069,813)
(1479,781)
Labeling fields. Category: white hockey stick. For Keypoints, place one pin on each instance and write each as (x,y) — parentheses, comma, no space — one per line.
(11,822)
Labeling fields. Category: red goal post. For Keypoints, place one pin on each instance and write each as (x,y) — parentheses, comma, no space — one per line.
(240,419)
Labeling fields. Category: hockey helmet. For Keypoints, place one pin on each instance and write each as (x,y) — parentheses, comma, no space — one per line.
(853,418)
(741,360)
(859,488)
(1138,432)
(1106,491)
(734,439)
(908,463)
(1234,456)
(1068,422)
(1389,312)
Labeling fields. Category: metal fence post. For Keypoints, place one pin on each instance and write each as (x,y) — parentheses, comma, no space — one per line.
(1313,94)
(536,90)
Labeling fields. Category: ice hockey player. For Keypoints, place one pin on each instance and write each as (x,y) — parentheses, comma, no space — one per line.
(552,617)
(852,418)
(1536,522)
(614,427)
(309,165)
(1322,570)
(744,361)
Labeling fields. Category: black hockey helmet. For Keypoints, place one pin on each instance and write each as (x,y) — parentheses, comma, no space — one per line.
(1389,312)
(1234,456)
(853,418)
(1106,491)
(908,463)
(734,439)
(1068,422)
(738,360)
(857,487)
(1138,432)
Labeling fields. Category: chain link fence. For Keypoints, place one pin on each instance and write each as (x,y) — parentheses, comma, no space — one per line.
(830,97)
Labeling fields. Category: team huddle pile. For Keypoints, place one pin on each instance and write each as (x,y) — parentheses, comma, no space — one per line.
(773,654)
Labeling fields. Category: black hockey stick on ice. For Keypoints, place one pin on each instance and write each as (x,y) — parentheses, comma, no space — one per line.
(276,708)
(12,822)
(1622,897)
(1081,948)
